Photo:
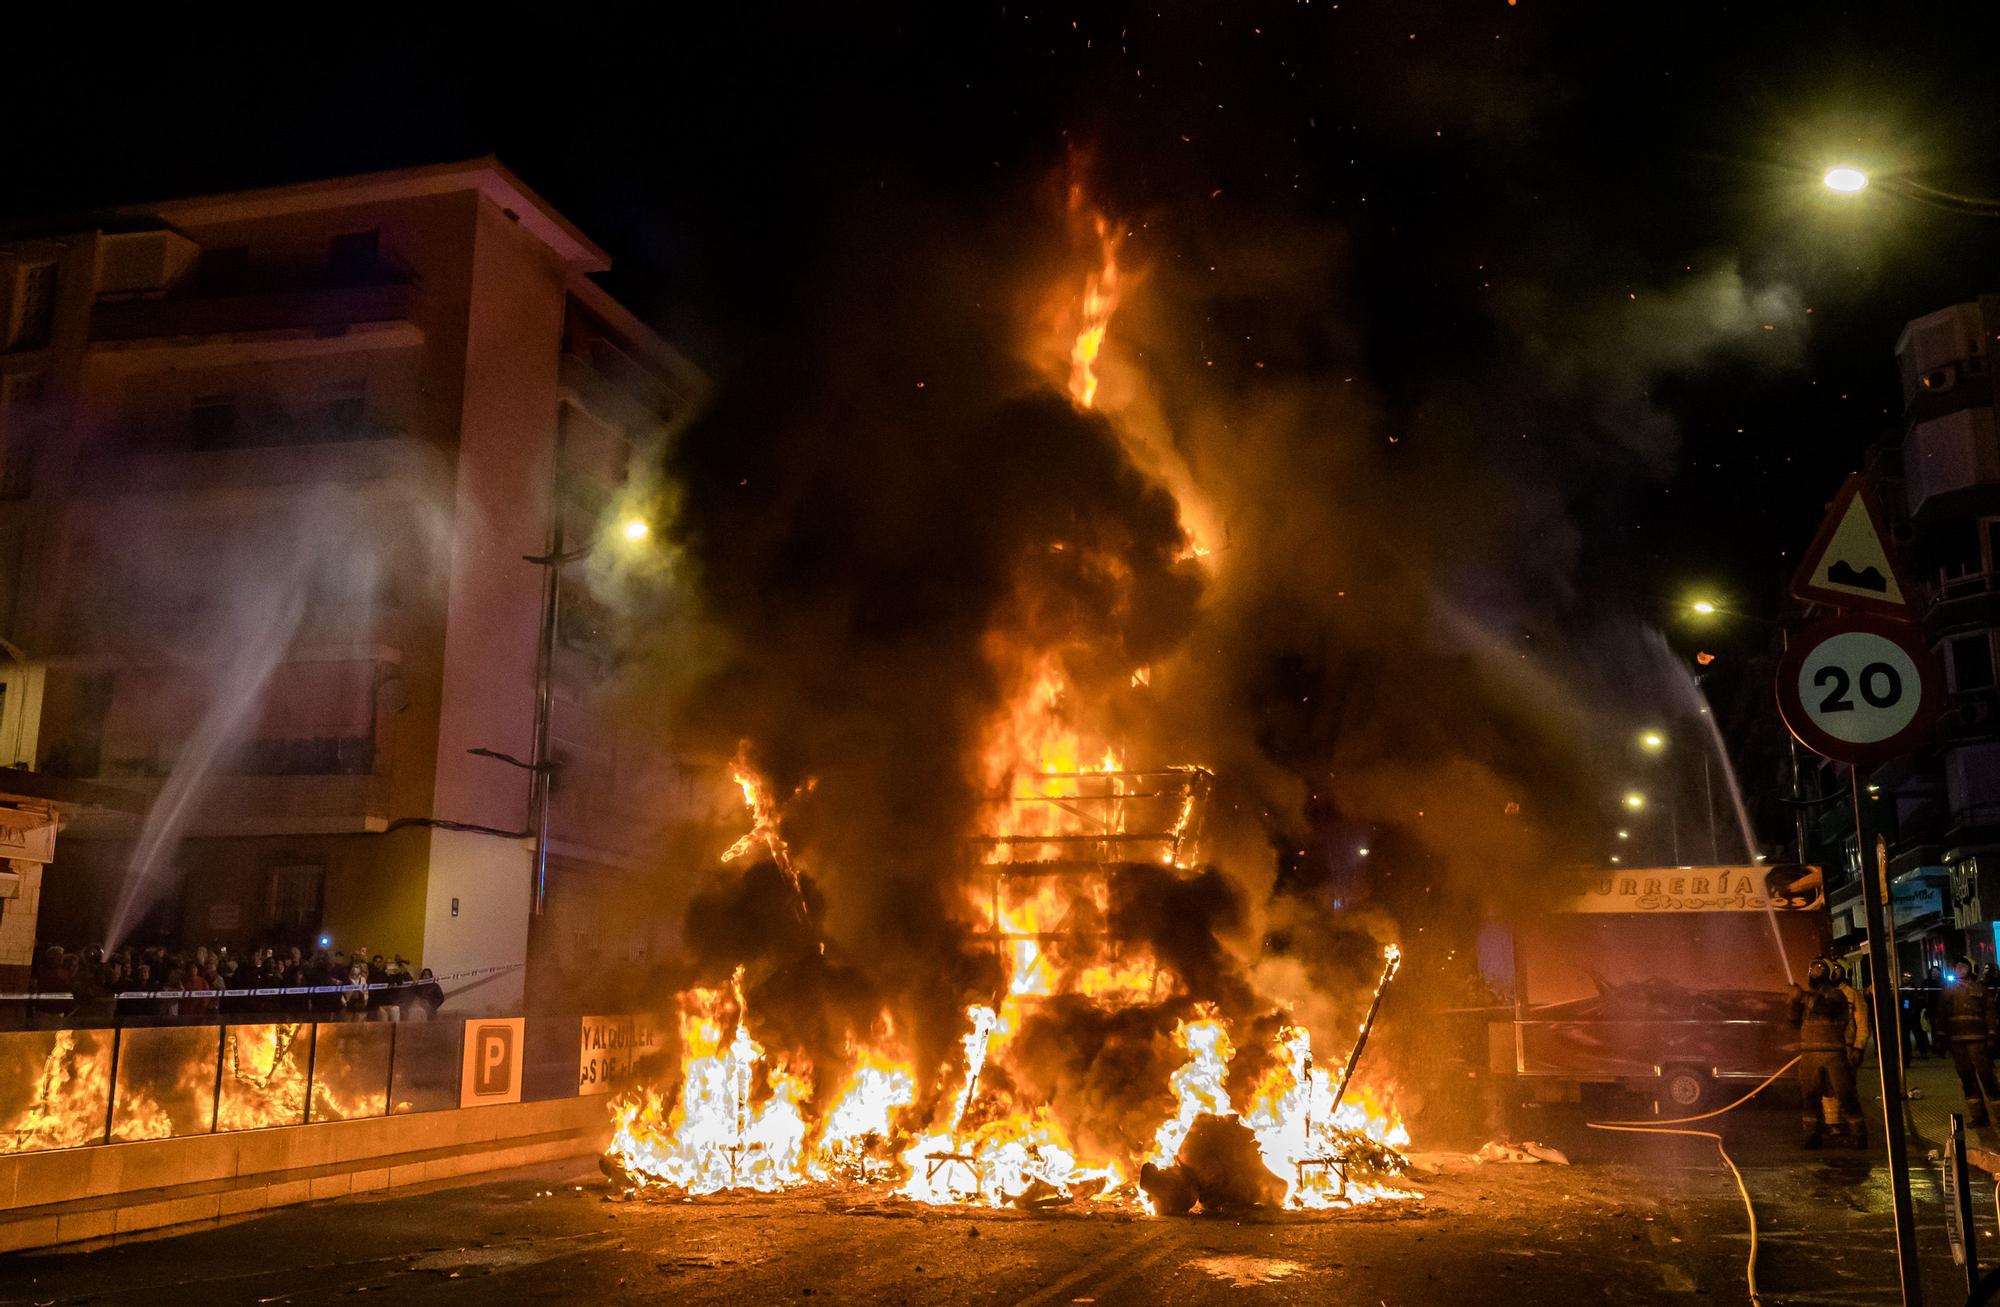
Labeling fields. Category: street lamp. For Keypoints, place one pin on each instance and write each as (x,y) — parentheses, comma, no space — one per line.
(1704,607)
(1847,180)
(1635,800)
(1652,741)
(634,529)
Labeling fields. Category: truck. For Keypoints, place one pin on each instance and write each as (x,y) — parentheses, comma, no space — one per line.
(1671,981)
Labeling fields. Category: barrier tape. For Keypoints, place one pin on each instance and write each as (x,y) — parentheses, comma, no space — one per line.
(261,992)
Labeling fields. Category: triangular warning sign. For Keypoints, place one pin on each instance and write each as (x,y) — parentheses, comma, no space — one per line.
(1849,564)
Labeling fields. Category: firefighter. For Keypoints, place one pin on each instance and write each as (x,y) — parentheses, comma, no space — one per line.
(1857,1023)
(1965,1018)
(1825,1018)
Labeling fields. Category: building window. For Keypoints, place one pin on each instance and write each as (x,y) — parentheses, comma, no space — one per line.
(341,412)
(295,897)
(211,422)
(1971,663)
(19,399)
(351,257)
(224,270)
(34,306)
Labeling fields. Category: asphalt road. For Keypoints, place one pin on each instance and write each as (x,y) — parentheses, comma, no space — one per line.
(1633,1220)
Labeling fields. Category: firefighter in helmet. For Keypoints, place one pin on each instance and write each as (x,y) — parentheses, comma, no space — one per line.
(1858,1019)
(1965,1016)
(1824,1016)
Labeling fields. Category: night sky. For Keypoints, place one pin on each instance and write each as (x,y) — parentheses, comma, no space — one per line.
(1510,185)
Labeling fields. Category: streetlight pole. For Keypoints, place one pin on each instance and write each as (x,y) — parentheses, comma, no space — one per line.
(1853,181)
(1707,608)
(540,767)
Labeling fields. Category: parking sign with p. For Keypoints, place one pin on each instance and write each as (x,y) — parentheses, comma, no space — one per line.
(492,1070)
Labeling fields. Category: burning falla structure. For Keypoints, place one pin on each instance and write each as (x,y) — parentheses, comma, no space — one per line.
(1073,1030)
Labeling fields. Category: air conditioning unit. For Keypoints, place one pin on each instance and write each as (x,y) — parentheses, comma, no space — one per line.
(142,264)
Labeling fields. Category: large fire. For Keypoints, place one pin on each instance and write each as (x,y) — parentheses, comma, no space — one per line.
(1064,818)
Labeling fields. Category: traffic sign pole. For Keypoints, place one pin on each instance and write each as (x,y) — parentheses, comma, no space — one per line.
(1863,688)
(1888,1044)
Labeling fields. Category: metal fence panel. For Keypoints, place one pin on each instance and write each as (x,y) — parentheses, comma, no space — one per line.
(265,1075)
(351,1069)
(55,1088)
(166,1082)
(425,1077)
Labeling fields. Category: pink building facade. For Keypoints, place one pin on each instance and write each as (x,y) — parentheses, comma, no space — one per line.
(270,466)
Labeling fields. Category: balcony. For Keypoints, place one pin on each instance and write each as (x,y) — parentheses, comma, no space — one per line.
(616,387)
(135,467)
(260,805)
(326,311)
(1949,458)
(1959,600)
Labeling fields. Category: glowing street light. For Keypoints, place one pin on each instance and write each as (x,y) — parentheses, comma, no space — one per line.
(1845,180)
(1703,607)
(1634,800)
(1624,834)
(635,529)
(1652,741)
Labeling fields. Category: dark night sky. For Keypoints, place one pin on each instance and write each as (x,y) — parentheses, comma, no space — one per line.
(1592,154)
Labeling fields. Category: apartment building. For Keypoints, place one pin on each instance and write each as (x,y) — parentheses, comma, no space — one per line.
(275,467)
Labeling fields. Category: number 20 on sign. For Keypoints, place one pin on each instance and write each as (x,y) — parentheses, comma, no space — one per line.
(1859,689)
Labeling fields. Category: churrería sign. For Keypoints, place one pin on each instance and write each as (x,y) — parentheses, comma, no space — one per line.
(26,836)
(1704,889)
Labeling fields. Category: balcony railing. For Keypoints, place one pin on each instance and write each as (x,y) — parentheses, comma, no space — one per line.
(128,467)
(322,308)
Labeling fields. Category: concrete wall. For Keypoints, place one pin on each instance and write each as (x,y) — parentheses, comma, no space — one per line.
(488,878)
(98,1192)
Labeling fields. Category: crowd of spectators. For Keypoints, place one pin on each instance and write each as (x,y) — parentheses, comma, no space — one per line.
(121,985)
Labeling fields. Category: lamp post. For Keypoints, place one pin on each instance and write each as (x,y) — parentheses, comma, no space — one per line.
(1635,801)
(1847,180)
(1703,607)
(1655,743)
(541,767)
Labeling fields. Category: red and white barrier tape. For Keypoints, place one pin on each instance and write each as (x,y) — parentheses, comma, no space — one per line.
(267,992)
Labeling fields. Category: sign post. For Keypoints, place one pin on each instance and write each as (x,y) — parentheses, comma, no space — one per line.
(1860,690)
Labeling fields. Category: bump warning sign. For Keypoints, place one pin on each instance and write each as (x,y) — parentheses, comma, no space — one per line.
(1850,564)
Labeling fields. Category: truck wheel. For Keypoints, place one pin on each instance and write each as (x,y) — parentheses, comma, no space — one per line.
(1686,1089)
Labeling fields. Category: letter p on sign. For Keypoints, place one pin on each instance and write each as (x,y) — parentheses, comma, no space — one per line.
(492,1068)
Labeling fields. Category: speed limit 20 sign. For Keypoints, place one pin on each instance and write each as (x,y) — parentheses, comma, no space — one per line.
(1859,689)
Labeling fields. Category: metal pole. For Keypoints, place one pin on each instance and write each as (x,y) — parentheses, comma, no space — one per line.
(111,1087)
(1391,960)
(1798,790)
(1888,1043)
(545,675)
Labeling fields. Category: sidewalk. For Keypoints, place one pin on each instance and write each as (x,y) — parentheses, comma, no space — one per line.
(1927,1116)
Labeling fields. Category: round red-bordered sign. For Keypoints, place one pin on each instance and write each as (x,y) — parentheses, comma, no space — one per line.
(1860,689)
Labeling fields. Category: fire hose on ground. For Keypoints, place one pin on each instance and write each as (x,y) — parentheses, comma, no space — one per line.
(1668,1128)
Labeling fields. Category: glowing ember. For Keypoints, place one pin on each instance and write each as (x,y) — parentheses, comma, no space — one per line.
(1100,301)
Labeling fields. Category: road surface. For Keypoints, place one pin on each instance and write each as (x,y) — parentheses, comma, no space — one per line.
(1633,1220)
